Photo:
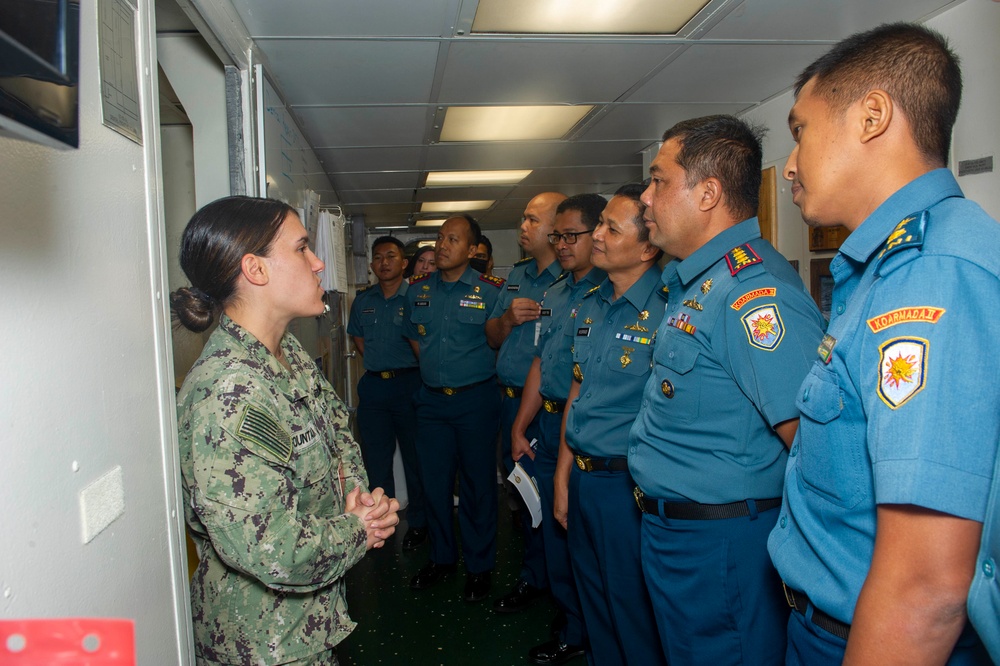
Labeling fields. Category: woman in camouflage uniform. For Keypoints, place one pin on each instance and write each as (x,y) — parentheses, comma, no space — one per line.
(275,493)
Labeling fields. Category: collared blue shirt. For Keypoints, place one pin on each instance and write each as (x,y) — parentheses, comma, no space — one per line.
(613,351)
(518,350)
(447,319)
(379,322)
(905,411)
(556,331)
(738,337)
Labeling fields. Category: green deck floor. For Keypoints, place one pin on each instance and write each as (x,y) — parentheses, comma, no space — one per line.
(401,627)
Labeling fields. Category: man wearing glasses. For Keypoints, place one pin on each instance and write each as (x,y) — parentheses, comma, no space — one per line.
(546,388)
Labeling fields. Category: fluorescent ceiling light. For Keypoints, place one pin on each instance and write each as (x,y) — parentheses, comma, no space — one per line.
(457,178)
(609,17)
(454,206)
(510,123)
(390,228)
(429,223)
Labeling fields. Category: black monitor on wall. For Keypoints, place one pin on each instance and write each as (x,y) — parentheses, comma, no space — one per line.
(39,71)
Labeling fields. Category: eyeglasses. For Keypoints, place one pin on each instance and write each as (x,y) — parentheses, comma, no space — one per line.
(569,237)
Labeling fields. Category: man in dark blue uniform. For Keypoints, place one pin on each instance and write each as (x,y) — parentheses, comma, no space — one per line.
(708,448)
(612,353)
(546,389)
(512,329)
(458,407)
(391,379)
(888,480)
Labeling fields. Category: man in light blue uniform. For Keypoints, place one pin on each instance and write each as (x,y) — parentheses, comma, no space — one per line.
(546,390)
(386,390)
(708,449)
(512,329)
(458,407)
(612,353)
(888,479)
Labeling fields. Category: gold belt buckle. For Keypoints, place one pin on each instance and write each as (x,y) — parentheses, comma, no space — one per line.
(584,464)
(550,406)
(788,596)
(449,390)
(509,391)
(638,495)
(386,374)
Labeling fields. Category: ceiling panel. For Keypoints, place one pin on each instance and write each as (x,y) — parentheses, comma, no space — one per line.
(352,72)
(344,17)
(364,126)
(817,19)
(536,72)
(728,73)
(378,180)
(647,122)
(371,159)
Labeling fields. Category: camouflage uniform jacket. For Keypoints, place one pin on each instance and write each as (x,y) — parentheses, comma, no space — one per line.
(267,459)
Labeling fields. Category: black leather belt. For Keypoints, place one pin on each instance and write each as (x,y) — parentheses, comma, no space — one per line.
(553,406)
(800,602)
(452,390)
(511,391)
(590,464)
(696,511)
(389,374)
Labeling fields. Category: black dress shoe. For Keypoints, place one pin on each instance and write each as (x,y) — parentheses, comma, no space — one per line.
(554,652)
(519,598)
(477,586)
(414,537)
(431,575)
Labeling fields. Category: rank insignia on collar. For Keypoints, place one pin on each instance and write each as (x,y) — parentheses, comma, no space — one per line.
(706,286)
(644,315)
(740,257)
(693,304)
(493,279)
(593,289)
(764,327)
(420,278)
(908,233)
(902,367)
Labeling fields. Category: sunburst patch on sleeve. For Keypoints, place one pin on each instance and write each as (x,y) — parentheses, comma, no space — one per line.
(902,370)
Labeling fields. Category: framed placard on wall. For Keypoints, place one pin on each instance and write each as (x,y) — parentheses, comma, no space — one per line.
(767,208)
(821,285)
(824,239)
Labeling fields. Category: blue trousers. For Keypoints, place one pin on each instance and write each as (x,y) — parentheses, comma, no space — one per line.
(533,563)
(457,435)
(604,544)
(557,564)
(808,645)
(386,416)
(716,595)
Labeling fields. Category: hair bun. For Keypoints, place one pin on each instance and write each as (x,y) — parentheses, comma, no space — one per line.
(193,308)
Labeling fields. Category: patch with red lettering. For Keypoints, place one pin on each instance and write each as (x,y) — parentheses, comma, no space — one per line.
(920,313)
(750,295)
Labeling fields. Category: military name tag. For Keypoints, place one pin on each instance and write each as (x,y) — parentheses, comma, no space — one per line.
(583,331)
(513,287)
(546,312)
(421,304)
(368,311)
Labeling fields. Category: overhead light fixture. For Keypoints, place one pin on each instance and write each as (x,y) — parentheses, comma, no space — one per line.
(465,178)
(510,123)
(454,206)
(390,228)
(606,17)
(429,223)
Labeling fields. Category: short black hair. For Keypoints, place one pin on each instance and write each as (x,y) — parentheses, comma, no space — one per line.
(590,206)
(484,240)
(912,63)
(725,148)
(633,191)
(475,231)
(382,240)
